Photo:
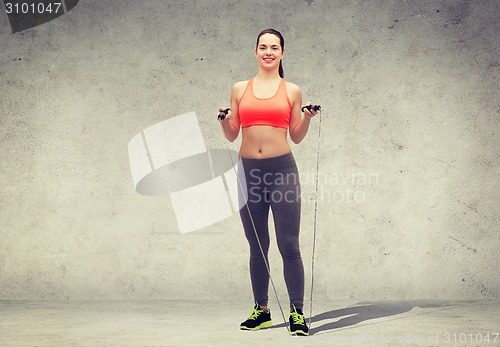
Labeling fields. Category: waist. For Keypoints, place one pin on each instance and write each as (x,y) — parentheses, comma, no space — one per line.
(260,142)
(284,162)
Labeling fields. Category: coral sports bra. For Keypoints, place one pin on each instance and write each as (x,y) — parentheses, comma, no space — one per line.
(274,111)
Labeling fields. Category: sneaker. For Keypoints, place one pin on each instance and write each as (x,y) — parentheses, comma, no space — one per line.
(297,323)
(259,319)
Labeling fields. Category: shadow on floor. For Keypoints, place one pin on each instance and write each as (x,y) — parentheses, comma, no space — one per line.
(363,312)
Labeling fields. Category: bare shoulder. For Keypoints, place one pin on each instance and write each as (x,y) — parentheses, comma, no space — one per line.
(294,92)
(241,85)
(239,88)
(292,88)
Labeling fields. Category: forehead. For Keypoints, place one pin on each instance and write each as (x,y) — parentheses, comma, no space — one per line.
(269,40)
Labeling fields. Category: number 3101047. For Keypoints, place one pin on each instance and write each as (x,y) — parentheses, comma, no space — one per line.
(32,8)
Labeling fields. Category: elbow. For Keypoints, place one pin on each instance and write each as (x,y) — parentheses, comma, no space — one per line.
(232,137)
(296,139)
(231,134)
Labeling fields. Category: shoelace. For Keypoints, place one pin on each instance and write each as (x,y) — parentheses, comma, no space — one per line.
(297,318)
(255,314)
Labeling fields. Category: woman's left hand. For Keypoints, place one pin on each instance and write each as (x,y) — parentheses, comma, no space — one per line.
(309,113)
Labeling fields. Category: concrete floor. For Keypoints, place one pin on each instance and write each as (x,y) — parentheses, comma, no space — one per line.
(191,323)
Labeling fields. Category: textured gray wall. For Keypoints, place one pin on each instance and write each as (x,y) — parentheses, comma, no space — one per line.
(409,147)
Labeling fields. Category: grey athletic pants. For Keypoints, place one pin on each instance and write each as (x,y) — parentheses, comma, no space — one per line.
(273,183)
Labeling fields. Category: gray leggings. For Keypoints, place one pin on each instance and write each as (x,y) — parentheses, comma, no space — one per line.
(273,183)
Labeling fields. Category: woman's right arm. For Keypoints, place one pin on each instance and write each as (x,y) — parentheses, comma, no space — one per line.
(231,124)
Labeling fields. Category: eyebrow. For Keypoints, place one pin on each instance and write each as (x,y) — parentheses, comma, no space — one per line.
(264,45)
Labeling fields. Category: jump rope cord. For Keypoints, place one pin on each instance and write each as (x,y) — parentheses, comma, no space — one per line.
(314,223)
(255,231)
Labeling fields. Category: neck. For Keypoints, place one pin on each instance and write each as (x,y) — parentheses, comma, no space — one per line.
(268,75)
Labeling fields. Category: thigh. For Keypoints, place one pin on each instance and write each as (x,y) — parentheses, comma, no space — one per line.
(285,200)
(254,212)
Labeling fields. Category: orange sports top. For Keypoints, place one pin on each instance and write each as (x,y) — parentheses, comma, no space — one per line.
(274,111)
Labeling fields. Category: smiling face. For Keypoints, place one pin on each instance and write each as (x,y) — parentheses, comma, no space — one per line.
(269,52)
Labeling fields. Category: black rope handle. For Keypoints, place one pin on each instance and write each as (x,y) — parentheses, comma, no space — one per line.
(223,114)
(313,107)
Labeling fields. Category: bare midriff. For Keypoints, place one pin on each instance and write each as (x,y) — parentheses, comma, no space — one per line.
(263,141)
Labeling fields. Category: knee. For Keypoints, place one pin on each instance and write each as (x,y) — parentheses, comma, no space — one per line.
(256,244)
(289,249)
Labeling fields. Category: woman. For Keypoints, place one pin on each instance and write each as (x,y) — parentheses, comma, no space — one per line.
(265,107)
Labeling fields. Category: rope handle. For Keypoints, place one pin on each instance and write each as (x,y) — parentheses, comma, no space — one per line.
(311,107)
(222,115)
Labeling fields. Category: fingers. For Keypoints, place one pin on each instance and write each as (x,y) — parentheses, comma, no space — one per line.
(309,114)
(309,111)
(224,113)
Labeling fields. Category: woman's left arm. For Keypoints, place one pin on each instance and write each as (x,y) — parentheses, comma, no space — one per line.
(298,126)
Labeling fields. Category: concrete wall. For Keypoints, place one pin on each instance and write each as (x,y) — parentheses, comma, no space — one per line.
(409,159)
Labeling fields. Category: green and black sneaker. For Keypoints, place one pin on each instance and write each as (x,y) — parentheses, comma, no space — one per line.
(297,323)
(259,319)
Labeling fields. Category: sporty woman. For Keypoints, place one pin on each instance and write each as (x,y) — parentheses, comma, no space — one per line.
(266,107)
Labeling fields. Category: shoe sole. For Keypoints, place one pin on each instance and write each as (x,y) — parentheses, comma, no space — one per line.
(299,333)
(263,325)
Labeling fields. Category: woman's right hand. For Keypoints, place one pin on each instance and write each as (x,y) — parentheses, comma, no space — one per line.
(224,114)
